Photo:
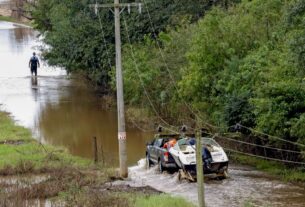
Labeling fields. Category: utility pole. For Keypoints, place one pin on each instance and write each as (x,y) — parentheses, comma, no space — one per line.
(118,8)
(199,168)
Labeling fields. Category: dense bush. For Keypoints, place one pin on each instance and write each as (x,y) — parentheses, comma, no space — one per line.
(76,41)
(242,65)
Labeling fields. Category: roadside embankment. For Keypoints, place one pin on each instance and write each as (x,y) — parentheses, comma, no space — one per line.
(14,20)
(31,171)
(5,12)
(5,9)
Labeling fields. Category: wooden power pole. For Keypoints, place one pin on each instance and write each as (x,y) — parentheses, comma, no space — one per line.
(118,8)
(199,169)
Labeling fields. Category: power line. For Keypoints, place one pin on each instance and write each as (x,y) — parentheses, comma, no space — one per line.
(248,154)
(165,122)
(275,137)
(103,34)
(138,74)
(257,145)
(197,115)
(262,157)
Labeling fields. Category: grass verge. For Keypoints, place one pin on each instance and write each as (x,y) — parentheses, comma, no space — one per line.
(17,146)
(273,168)
(32,171)
(11,19)
(7,19)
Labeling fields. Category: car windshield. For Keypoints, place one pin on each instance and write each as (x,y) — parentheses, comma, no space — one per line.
(211,144)
(187,143)
(209,141)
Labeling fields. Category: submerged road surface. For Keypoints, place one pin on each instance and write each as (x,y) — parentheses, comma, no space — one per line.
(245,187)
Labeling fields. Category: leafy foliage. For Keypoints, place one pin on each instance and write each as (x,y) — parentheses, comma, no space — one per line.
(245,67)
(76,41)
(241,65)
(242,62)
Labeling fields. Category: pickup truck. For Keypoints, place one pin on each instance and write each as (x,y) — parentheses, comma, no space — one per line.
(157,152)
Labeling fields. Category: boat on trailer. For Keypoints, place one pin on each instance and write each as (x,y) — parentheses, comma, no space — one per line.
(215,160)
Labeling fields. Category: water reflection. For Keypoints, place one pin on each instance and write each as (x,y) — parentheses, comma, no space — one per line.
(17,45)
(20,38)
(34,85)
(34,82)
(78,117)
(60,111)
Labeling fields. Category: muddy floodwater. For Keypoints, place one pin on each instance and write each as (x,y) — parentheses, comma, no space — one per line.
(59,110)
(245,187)
(63,111)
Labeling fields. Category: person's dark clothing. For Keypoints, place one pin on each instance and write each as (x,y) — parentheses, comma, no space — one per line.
(191,141)
(206,157)
(206,154)
(34,63)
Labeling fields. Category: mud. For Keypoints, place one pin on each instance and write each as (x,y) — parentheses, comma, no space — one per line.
(83,188)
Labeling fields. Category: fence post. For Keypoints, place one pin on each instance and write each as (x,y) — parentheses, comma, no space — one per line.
(95,151)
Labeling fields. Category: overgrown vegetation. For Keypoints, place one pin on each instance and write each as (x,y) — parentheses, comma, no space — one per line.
(241,65)
(77,36)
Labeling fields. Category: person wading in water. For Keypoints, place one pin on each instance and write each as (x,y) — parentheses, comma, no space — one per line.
(33,64)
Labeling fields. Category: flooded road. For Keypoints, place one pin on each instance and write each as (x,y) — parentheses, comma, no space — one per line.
(66,112)
(59,110)
(245,187)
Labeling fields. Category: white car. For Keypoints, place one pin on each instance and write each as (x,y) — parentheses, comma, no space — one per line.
(215,160)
